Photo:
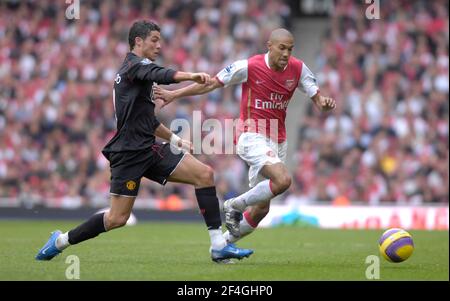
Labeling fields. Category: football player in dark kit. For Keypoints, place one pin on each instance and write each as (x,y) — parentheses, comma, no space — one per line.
(133,152)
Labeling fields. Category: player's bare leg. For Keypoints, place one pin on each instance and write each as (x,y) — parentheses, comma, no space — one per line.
(115,217)
(191,171)
(257,200)
(120,211)
(279,176)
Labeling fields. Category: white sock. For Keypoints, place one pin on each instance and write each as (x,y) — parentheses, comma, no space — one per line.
(62,241)
(258,194)
(218,242)
(244,228)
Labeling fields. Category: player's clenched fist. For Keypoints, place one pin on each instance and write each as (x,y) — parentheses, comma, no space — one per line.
(201,78)
(327,103)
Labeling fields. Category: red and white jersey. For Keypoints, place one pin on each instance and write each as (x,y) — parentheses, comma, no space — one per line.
(266,93)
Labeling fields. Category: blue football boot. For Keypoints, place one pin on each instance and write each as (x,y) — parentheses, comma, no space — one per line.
(49,250)
(229,252)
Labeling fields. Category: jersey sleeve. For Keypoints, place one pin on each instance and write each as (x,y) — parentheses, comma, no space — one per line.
(156,123)
(308,82)
(236,73)
(146,70)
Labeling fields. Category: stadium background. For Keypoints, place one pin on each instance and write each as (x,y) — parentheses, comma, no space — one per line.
(379,160)
(387,142)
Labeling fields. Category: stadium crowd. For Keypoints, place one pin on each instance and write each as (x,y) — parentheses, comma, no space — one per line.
(56,75)
(387,141)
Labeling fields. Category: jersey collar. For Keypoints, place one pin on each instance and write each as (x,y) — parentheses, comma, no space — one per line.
(266,60)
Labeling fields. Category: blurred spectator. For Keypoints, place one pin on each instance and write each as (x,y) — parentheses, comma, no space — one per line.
(386,142)
(389,133)
(56,75)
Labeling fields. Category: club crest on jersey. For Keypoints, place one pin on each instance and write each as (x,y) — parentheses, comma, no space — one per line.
(289,83)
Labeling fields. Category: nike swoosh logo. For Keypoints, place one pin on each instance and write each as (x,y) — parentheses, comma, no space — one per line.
(43,251)
(235,251)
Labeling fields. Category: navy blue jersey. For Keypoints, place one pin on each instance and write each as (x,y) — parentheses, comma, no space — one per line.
(133,104)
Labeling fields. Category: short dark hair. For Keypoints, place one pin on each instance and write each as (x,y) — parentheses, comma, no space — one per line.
(141,29)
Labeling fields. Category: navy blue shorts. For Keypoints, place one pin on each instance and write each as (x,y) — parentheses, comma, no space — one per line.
(127,168)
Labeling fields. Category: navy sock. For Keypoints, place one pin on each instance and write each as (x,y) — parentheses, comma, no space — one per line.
(209,206)
(87,230)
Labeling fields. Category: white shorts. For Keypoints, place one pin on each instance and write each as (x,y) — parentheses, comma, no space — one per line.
(258,150)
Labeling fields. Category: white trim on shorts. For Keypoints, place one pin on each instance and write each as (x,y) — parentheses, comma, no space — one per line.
(173,170)
(128,196)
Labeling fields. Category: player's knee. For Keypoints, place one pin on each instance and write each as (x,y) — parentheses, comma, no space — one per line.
(205,177)
(286,182)
(116,221)
(281,184)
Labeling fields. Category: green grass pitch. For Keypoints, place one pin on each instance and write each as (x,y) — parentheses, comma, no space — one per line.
(179,251)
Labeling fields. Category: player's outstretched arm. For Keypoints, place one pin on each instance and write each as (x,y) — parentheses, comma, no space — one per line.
(194,89)
(201,78)
(148,71)
(324,103)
